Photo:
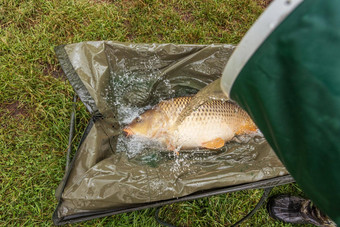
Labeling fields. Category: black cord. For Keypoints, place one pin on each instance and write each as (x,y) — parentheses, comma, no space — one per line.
(265,195)
(159,220)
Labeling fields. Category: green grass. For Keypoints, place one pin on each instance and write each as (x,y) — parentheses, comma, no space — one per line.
(35,99)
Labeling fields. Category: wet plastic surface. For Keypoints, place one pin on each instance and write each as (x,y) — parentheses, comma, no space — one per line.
(120,81)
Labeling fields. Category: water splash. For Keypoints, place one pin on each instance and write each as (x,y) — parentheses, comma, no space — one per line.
(126,94)
(135,145)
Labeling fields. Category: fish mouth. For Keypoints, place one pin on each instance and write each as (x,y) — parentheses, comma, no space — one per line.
(128,131)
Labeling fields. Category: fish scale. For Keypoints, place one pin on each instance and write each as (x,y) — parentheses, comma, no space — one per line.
(210,125)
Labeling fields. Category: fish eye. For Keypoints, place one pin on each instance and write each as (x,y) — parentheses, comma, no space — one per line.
(139,119)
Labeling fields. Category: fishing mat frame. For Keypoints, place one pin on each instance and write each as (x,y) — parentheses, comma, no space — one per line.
(104,177)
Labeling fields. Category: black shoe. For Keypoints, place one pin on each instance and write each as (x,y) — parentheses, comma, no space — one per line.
(296,210)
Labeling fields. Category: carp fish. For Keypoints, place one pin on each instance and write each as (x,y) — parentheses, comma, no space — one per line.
(210,125)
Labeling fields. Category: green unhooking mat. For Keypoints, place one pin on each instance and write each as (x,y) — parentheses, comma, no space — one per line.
(117,82)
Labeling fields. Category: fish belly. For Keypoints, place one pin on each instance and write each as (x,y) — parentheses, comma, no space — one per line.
(194,135)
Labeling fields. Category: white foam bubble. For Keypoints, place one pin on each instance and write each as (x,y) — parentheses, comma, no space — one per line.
(245,138)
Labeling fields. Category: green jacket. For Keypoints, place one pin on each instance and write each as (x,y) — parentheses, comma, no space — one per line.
(291,88)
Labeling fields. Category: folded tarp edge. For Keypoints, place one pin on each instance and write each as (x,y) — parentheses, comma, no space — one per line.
(80,217)
(74,79)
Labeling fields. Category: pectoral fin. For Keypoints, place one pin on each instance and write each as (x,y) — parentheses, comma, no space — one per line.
(214,144)
(171,147)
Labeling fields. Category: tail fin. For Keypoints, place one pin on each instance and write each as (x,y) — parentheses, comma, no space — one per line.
(248,127)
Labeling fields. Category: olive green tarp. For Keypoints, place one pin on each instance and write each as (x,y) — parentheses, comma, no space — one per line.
(116,82)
